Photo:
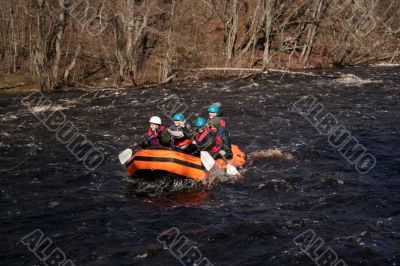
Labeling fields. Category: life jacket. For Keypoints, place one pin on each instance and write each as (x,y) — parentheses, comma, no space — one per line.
(199,137)
(222,122)
(227,144)
(216,145)
(153,137)
(222,142)
(181,141)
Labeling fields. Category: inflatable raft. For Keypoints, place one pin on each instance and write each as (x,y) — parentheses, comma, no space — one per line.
(177,162)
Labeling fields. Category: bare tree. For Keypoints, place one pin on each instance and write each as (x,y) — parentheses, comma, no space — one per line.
(251,35)
(40,49)
(167,64)
(56,44)
(365,31)
(61,24)
(268,14)
(231,28)
(312,27)
(228,12)
(13,38)
(48,50)
(130,28)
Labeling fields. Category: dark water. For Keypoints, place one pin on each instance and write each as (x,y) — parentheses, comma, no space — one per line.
(98,217)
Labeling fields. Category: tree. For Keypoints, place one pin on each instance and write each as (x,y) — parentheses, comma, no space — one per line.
(130,28)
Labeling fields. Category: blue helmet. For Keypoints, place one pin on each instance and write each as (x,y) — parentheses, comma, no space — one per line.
(200,122)
(213,109)
(178,117)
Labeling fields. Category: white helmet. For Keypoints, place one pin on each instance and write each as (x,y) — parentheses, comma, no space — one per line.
(155,120)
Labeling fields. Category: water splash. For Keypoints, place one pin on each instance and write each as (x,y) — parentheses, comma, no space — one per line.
(270,153)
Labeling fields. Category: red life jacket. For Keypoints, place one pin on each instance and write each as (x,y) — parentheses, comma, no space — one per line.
(222,123)
(199,137)
(181,141)
(217,144)
(153,136)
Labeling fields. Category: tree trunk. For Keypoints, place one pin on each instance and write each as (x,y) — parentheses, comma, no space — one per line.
(167,66)
(268,7)
(252,33)
(14,50)
(129,32)
(72,64)
(232,31)
(311,30)
(62,21)
(40,60)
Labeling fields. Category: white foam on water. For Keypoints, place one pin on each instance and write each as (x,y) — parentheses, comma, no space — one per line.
(69,103)
(353,79)
(63,104)
(270,153)
(8,117)
(5,134)
(41,109)
(218,175)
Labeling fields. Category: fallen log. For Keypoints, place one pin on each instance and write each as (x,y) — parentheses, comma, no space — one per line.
(291,72)
(257,70)
(229,69)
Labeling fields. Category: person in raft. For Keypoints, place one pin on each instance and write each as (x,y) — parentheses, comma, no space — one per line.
(202,137)
(180,132)
(215,111)
(221,145)
(156,135)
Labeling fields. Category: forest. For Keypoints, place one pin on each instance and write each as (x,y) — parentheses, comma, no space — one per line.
(127,43)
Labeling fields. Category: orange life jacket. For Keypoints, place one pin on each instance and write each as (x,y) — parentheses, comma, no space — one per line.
(182,142)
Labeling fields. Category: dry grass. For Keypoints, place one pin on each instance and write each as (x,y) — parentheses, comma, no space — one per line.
(17,83)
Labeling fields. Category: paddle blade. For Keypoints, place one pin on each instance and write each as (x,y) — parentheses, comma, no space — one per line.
(231,170)
(125,156)
(207,160)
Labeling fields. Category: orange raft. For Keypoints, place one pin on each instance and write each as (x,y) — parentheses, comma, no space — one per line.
(177,162)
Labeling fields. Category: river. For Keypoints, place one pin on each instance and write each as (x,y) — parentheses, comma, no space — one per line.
(297,184)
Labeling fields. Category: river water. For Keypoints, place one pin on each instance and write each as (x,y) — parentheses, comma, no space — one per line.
(297,183)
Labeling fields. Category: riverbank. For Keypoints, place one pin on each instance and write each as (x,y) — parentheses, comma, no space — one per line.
(20,83)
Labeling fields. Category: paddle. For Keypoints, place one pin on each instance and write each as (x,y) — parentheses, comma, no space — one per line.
(124,156)
(207,160)
(230,169)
